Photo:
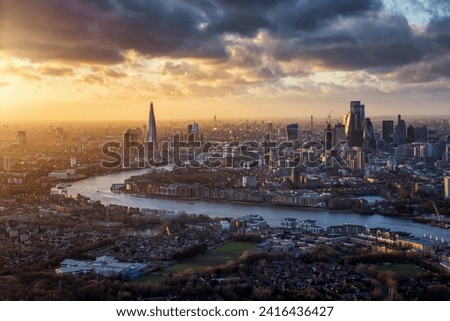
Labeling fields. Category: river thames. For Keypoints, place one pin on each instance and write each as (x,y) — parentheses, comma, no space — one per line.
(98,188)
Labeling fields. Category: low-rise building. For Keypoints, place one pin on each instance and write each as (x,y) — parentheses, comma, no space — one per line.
(426,245)
(104,265)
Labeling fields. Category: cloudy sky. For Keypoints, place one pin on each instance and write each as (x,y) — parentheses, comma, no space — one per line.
(107,59)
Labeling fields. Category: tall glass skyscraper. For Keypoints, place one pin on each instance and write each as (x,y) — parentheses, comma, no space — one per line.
(292,132)
(388,130)
(369,135)
(354,123)
(152,137)
(400,131)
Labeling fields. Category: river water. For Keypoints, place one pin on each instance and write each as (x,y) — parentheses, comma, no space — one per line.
(98,188)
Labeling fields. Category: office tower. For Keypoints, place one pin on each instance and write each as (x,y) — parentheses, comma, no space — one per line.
(193,132)
(133,150)
(292,132)
(410,138)
(447,187)
(22,138)
(349,121)
(152,137)
(432,135)
(424,151)
(328,137)
(356,159)
(360,159)
(359,111)
(447,153)
(369,135)
(400,131)
(354,123)
(339,133)
(312,123)
(421,134)
(270,127)
(6,163)
(416,134)
(388,130)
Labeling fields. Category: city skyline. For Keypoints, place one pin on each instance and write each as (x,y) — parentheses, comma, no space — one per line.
(275,152)
(299,58)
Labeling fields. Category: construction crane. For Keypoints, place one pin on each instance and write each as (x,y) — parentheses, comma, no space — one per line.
(437,212)
(441,222)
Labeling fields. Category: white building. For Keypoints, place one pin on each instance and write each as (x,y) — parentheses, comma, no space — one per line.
(103,265)
(249,181)
(289,223)
(63,174)
(225,226)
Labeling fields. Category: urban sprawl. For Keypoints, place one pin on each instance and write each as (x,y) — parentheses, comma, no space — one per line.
(57,245)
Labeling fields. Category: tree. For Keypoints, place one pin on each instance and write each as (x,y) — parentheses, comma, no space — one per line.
(437,292)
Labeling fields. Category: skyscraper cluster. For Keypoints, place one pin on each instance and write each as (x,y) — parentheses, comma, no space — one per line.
(359,129)
(400,134)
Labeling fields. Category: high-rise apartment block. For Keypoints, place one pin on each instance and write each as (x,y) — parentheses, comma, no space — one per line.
(447,187)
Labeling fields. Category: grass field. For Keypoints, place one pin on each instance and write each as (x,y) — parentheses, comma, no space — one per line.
(216,257)
(407,270)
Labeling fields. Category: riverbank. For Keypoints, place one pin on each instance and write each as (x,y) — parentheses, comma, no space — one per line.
(204,199)
(98,188)
(192,200)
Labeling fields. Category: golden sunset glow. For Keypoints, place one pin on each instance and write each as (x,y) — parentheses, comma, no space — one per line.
(98,60)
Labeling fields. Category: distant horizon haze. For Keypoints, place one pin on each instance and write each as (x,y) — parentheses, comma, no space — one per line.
(106,60)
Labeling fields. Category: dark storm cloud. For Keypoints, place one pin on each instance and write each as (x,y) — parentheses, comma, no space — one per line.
(104,28)
(55,30)
(361,43)
(100,31)
(436,62)
(310,15)
(438,30)
(165,28)
(344,34)
(426,71)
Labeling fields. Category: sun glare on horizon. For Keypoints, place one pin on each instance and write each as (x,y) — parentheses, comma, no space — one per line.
(77,60)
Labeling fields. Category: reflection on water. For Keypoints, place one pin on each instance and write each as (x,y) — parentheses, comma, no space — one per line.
(98,188)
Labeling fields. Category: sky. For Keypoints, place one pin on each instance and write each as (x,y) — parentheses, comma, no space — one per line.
(258,59)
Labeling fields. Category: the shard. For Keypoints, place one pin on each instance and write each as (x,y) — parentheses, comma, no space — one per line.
(152,137)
